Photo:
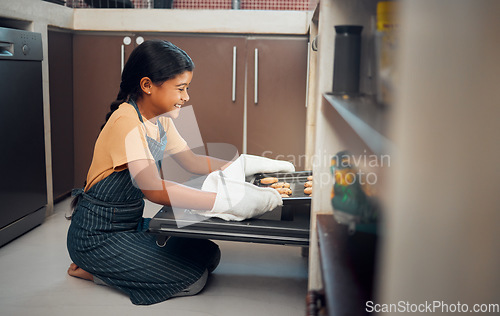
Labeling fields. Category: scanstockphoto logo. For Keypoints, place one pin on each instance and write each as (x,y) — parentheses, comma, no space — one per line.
(436,306)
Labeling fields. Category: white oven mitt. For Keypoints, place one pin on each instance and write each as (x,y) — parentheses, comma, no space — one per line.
(247,165)
(256,164)
(238,200)
(234,171)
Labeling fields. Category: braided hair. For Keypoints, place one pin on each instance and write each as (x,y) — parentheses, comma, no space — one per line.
(158,60)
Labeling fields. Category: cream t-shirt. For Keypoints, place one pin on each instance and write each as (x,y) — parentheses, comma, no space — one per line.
(123,139)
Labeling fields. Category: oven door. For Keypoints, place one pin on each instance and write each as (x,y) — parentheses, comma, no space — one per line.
(286,225)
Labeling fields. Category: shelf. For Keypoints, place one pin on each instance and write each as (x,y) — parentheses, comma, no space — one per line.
(364,117)
(347,265)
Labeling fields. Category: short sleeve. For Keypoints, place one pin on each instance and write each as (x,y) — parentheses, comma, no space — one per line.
(121,141)
(131,144)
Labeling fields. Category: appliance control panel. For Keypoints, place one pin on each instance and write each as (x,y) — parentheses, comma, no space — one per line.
(20,45)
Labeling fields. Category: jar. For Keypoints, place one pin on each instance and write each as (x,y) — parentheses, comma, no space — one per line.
(347,59)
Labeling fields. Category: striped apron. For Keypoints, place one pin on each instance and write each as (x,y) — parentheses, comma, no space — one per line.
(107,238)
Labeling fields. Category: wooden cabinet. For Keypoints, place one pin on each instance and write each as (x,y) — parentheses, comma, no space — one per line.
(255,103)
(222,91)
(219,118)
(276,111)
(96,82)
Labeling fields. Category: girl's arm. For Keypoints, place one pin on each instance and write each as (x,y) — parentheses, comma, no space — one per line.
(165,192)
(199,164)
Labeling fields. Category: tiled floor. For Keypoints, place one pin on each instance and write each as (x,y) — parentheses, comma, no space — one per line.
(252,279)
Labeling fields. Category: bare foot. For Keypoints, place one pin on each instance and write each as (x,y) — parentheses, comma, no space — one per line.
(78,272)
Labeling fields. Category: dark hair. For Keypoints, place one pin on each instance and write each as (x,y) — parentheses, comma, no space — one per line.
(156,59)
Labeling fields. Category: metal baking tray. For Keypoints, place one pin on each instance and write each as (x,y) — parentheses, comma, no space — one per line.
(296,180)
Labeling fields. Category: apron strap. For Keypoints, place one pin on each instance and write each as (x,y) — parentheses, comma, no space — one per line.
(160,126)
(80,193)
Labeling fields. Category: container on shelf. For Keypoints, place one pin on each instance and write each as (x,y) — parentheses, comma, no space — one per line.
(347,60)
(385,50)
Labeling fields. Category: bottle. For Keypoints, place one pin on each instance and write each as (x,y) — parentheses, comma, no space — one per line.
(386,49)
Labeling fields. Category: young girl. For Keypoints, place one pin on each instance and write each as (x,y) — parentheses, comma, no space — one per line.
(107,238)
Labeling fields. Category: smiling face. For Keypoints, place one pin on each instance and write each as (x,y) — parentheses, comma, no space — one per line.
(166,98)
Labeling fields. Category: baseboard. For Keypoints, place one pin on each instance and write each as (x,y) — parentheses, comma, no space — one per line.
(21,226)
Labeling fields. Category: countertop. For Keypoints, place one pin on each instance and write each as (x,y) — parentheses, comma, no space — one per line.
(27,13)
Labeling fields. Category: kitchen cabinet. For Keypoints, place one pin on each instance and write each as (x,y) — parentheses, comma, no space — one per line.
(96,81)
(222,91)
(219,118)
(60,48)
(250,92)
(276,111)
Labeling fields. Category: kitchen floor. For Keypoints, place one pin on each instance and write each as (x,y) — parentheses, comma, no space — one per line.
(252,279)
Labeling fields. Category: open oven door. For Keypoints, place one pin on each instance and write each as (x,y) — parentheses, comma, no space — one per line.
(285,225)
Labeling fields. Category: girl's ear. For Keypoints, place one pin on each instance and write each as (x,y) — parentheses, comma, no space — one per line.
(146,85)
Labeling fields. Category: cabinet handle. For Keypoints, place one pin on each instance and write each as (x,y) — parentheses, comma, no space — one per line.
(256,81)
(122,58)
(234,74)
(126,41)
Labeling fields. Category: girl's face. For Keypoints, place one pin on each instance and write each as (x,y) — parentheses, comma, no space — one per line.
(168,97)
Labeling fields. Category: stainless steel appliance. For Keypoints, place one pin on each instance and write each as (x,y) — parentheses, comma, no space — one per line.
(23,188)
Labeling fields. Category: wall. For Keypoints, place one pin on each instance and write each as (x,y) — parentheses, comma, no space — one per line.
(443,211)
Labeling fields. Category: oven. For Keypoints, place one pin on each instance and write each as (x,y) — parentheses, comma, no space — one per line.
(285,225)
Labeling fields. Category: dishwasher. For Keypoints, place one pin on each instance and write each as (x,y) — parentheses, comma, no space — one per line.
(23,189)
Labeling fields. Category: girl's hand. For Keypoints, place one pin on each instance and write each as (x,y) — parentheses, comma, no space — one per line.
(146,177)
(239,200)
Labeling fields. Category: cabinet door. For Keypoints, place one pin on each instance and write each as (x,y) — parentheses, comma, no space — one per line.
(96,82)
(219,118)
(61,111)
(276,111)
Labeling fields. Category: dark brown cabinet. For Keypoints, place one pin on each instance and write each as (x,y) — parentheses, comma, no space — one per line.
(221,93)
(96,81)
(276,111)
(250,92)
(219,118)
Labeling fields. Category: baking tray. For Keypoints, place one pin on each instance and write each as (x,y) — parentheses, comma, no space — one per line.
(296,180)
